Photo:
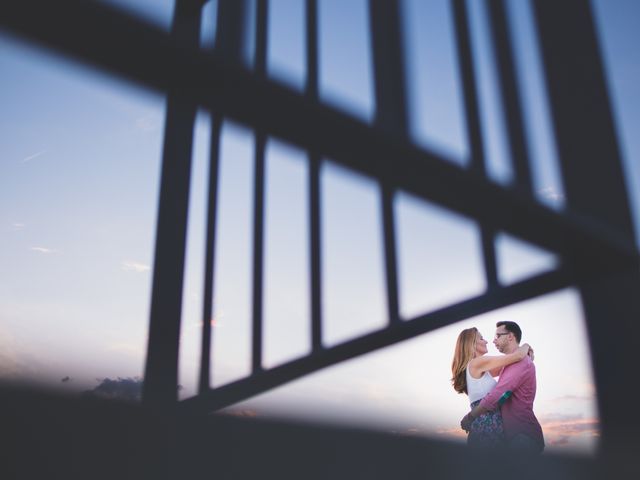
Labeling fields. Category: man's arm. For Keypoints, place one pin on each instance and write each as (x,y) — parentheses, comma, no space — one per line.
(478,410)
(511,378)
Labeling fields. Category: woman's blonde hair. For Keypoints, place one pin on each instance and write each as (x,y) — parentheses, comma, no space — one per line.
(464,352)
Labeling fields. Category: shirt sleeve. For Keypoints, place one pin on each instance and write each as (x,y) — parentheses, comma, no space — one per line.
(512,377)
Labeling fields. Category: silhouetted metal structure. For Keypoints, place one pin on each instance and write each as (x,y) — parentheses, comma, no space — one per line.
(593,236)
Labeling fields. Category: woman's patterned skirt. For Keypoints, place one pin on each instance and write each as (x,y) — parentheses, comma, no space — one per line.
(486,430)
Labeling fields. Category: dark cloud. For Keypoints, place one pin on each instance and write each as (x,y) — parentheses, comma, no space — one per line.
(126,389)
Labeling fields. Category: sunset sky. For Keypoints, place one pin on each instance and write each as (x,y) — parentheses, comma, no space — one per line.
(79,172)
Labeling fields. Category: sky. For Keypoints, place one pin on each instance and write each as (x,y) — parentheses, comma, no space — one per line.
(79,172)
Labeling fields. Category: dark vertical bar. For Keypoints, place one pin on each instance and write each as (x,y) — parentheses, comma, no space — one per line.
(230,31)
(314,181)
(472,115)
(315,250)
(311,12)
(261,37)
(509,93)
(258,204)
(229,42)
(487,235)
(391,116)
(388,58)
(210,249)
(161,371)
(591,162)
(258,251)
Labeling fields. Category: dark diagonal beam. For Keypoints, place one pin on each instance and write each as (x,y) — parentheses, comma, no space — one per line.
(239,390)
(147,55)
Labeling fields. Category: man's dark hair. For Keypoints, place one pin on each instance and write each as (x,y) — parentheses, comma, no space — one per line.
(511,327)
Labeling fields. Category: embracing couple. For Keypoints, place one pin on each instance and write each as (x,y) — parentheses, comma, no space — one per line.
(501,412)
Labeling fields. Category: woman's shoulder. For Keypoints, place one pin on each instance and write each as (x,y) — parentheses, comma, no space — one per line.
(477,362)
(472,368)
(473,361)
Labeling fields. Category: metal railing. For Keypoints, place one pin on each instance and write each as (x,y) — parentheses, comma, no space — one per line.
(593,237)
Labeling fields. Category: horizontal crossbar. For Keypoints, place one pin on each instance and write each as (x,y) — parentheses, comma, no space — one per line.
(262,381)
(123,45)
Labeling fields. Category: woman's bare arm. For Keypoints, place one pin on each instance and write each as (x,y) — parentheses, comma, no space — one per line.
(494,363)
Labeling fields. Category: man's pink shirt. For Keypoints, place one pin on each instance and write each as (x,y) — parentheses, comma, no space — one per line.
(517,411)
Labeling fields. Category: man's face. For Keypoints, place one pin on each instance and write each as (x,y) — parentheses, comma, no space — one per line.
(501,340)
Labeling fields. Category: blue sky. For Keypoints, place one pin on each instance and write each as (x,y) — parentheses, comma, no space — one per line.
(79,166)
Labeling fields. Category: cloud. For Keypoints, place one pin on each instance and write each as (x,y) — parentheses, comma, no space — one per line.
(455,432)
(138,267)
(9,363)
(573,427)
(15,361)
(560,430)
(559,417)
(216,322)
(551,193)
(408,432)
(196,327)
(31,157)
(17,226)
(43,250)
(126,389)
(128,348)
(558,441)
(573,398)
(147,123)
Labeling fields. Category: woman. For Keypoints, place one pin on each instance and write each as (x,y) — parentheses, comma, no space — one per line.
(473,373)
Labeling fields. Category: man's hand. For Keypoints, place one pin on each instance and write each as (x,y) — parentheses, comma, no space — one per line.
(466,422)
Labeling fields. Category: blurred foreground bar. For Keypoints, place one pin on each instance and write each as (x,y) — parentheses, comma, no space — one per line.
(47,435)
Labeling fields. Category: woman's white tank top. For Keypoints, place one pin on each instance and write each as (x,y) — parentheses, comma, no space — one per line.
(477,388)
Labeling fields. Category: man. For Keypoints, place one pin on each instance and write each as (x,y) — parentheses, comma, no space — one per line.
(521,427)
